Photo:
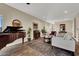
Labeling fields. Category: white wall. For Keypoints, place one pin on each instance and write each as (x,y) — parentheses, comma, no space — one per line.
(27,20)
(68,24)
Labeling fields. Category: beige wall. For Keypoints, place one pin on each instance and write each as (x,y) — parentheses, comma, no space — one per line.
(68,24)
(77,27)
(27,20)
(77,23)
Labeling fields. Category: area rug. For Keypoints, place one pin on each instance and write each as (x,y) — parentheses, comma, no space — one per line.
(46,49)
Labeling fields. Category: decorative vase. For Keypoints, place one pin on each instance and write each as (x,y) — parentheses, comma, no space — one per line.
(29,39)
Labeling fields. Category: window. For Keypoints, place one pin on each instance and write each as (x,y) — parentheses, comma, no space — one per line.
(0,23)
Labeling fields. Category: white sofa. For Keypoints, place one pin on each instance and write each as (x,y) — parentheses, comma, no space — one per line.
(66,42)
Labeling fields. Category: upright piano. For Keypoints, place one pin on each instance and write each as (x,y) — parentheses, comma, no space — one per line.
(10,34)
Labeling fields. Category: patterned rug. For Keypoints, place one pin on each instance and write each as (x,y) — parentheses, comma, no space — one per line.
(46,49)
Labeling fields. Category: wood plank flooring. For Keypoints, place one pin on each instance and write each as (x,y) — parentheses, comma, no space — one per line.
(34,48)
(19,50)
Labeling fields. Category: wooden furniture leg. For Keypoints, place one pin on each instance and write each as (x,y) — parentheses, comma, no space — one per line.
(23,40)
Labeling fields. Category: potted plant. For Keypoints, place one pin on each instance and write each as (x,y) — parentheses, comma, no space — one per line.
(44,31)
(29,34)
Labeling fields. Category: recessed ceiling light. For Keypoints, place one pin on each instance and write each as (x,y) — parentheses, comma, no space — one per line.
(65,11)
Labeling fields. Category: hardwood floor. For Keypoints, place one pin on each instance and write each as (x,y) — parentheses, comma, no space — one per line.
(34,48)
(19,50)
(77,49)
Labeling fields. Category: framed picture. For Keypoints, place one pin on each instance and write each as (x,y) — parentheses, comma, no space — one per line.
(62,27)
(16,23)
(35,26)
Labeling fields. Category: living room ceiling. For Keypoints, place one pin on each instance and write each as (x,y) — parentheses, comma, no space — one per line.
(49,11)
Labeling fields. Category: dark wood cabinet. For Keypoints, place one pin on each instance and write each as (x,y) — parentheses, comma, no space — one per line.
(36,34)
(6,38)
